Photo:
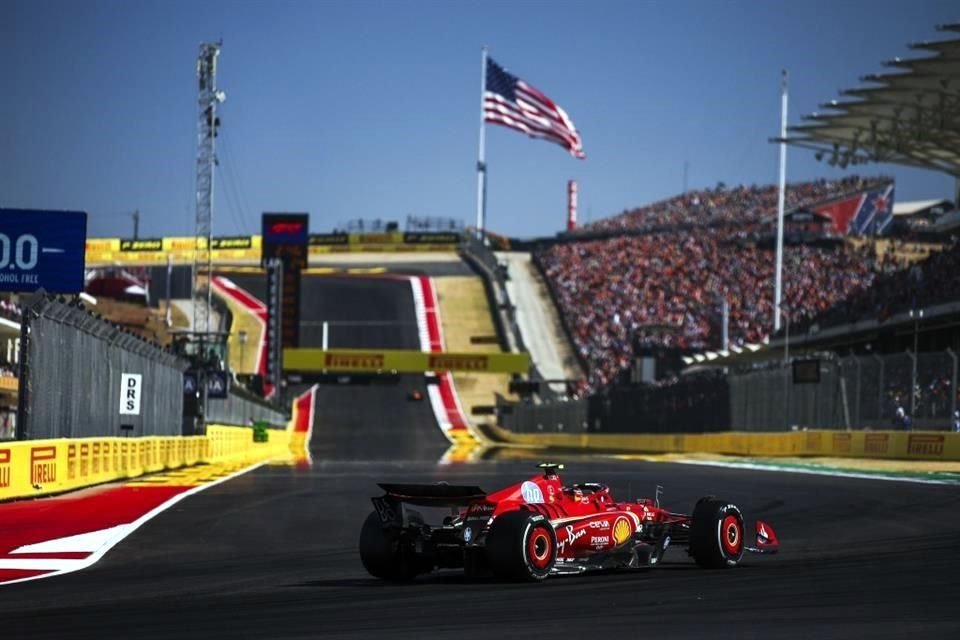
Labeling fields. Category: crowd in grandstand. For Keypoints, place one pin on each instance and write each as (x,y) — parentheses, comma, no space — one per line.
(671,286)
(667,287)
(930,282)
(739,205)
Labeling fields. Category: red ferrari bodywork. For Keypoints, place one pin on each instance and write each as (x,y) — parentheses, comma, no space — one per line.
(563,529)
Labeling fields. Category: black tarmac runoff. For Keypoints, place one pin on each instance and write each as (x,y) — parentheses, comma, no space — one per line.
(273,553)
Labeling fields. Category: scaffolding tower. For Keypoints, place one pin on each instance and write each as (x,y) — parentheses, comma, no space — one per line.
(208,97)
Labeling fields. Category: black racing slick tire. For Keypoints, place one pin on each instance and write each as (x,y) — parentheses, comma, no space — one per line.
(716,534)
(521,546)
(382,554)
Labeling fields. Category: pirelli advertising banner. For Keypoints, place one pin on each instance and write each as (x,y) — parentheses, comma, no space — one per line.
(154,251)
(399,361)
(385,242)
(247,249)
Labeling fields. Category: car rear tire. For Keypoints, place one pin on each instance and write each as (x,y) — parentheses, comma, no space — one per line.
(521,546)
(382,554)
(716,534)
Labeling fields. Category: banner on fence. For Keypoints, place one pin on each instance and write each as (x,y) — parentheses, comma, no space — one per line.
(401,361)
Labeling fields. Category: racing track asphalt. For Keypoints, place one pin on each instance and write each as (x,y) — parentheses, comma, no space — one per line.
(273,554)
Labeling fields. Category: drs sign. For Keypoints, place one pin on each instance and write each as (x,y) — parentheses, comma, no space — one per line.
(131,389)
(42,249)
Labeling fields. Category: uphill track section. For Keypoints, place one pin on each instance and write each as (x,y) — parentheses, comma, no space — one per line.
(355,421)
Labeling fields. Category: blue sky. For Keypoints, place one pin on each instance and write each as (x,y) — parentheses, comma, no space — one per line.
(371,109)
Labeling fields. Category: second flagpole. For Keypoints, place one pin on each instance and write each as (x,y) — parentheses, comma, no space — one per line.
(481,162)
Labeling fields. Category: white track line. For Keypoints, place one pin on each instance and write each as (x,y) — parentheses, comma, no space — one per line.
(131,527)
(816,472)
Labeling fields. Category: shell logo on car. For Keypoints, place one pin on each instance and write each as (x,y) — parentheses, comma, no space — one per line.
(622,530)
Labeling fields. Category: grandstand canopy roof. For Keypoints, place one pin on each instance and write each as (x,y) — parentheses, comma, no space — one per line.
(910,116)
(919,206)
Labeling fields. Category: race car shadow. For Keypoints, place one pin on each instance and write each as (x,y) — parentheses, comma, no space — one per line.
(454,578)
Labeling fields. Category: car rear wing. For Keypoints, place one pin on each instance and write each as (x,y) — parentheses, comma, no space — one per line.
(433,495)
(390,505)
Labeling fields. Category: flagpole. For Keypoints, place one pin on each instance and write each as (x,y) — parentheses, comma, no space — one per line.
(481,161)
(778,283)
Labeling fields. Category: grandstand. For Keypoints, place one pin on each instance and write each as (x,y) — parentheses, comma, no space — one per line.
(675,262)
(741,206)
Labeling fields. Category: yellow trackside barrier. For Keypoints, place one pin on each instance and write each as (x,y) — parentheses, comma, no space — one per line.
(899,445)
(40,467)
(399,361)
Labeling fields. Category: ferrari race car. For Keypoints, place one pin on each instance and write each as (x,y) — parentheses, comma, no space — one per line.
(539,527)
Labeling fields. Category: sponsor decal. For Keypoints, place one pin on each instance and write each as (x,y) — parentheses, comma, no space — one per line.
(4,468)
(84,460)
(481,509)
(813,441)
(876,442)
(925,445)
(353,360)
(550,491)
(622,530)
(384,510)
(571,536)
(322,239)
(43,465)
(467,534)
(442,362)
(375,238)
(841,442)
(71,462)
(181,244)
(99,245)
(147,244)
(431,238)
(233,242)
(599,541)
(599,524)
(531,493)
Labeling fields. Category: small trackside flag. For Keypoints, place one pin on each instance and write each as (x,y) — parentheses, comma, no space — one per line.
(511,102)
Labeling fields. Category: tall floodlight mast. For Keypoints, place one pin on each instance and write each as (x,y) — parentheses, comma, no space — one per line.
(208,97)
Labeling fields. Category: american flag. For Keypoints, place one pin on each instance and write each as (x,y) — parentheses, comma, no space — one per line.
(511,102)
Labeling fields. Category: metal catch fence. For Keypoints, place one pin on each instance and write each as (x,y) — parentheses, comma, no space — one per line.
(892,391)
(72,363)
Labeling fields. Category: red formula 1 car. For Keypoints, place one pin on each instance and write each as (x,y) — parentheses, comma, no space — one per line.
(540,527)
